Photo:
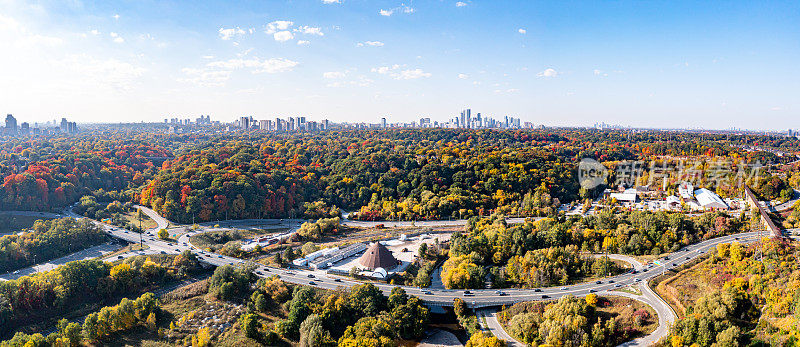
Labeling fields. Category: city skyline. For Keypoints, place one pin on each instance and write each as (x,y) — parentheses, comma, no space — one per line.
(676,65)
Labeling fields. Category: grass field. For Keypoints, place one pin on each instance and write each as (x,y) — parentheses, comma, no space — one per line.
(147,222)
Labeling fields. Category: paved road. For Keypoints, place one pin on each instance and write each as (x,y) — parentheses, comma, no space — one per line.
(478,298)
(786,205)
(494,326)
(33,214)
(666,316)
(89,253)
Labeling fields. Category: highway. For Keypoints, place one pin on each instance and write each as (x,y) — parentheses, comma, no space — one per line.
(474,298)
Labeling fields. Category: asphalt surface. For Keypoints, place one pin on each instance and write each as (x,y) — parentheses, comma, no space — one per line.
(475,298)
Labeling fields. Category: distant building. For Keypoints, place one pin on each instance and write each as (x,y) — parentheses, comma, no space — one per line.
(11,124)
(709,200)
(629,195)
(244,122)
(686,190)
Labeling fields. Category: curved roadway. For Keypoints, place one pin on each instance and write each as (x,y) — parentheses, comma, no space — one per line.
(476,298)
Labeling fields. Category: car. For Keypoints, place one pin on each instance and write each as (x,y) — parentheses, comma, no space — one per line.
(545,297)
(666,258)
(177,250)
(219,256)
(119,257)
(427,292)
(563,288)
(162,252)
(312,283)
(610,281)
(502,293)
(644,270)
(259,273)
(467,293)
(673,264)
(310,275)
(598,282)
(592,291)
(638,280)
(337,279)
(687,258)
(617,285)
(634,271)
(16,272)
(537,290)
(736,238)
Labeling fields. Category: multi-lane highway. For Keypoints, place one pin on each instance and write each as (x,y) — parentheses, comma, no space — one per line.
(476,298)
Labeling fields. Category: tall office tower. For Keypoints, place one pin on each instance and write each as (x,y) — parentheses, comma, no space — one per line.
(469,119)
(244,122)
(506,122)
(463,119)
(262,124)
(324,124)
(11,124)
(383,122)
(64,125)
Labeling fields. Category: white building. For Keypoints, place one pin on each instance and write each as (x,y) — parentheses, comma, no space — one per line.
(629,195)
(709,200)
(686,191)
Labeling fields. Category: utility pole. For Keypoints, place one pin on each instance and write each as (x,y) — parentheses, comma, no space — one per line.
(141,231)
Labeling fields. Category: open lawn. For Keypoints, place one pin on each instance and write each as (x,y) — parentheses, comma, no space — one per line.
(133,218)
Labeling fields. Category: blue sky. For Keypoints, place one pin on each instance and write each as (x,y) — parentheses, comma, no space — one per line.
(640,63)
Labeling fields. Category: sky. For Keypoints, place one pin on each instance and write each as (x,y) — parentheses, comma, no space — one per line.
(663,64)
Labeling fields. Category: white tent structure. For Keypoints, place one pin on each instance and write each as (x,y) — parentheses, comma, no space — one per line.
(709,200)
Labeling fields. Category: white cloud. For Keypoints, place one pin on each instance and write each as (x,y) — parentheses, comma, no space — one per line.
(522,31)
(283,36)
(402,8)
(303,42)
(309,30)
(393,72)
(278,25)
(272,65)
(108,73)
(383,70)
(370,43)
(461,4)
(94,32)
(227,34)
(331,2)
(548,73)
(116,37)
(776,108)
(205,77)
(333,74)
(463,76)
(116,16)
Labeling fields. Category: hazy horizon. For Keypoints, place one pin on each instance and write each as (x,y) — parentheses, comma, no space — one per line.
(646,65)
